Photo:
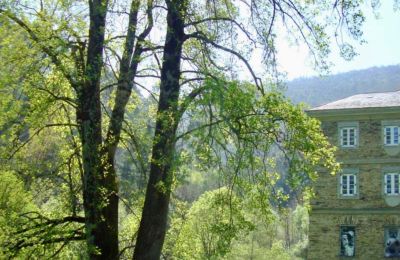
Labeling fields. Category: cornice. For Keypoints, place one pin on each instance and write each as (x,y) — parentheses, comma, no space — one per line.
(355,113)
(370,161)
(363,211)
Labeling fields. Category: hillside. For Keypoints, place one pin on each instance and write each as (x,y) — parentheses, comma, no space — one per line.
(317,91)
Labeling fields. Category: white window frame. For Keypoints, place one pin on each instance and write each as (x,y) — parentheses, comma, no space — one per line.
(391,183)
(393,138)
(345,141)
(346,186)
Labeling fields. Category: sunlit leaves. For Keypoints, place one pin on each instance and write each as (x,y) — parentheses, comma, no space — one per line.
(212,223)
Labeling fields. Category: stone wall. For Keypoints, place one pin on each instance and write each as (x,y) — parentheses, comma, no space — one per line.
(370,189)
(369,238)
(368,212)
(370,144)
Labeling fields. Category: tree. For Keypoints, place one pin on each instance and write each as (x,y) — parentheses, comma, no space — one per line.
(79,59)
(212,223)
(211,26)
(197,34)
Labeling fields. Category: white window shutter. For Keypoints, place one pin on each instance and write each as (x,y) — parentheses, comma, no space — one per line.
(355,184)
(341,141)
(355,136)
(385,183)
(384,135)
(341,184)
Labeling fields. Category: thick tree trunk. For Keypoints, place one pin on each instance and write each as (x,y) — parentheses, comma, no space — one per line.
(153,224)
(99,182)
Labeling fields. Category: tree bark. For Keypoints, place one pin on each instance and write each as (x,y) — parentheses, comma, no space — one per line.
(153,224)
(100,178)
(99,183)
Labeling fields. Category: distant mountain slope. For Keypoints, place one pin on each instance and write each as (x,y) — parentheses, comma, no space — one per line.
(317,91)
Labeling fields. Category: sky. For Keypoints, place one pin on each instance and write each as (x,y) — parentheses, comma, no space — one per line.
(382,47)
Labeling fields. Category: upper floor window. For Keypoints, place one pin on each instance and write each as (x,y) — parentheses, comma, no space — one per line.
(392,183)
(348,136)
(391,135)
(348,184)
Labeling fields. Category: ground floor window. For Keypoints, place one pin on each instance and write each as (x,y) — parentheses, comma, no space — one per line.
(347,241)
(392,242)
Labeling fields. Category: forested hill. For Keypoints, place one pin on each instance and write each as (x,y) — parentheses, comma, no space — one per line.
(317,91)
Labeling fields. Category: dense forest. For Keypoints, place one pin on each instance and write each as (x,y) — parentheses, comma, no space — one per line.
(321,90)
(125,132)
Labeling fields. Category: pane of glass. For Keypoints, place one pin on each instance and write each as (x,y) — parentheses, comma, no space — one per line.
(347,241)
(388,184)
(344,137)
(344,184)
(387,135)
(396,135)
(396,184)
(351,136)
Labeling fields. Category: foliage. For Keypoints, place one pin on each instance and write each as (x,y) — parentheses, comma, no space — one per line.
(67,72)
(278,252)
(23,227)
(248,134)
(268,239)
(212,223)
(256,238)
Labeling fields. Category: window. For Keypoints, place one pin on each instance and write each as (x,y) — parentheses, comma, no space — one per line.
(347,241)
(392,242)
(348,136)
(392,184)
(348,185)
(391,135)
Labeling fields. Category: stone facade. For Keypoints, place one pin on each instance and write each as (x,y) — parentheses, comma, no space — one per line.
(369,219)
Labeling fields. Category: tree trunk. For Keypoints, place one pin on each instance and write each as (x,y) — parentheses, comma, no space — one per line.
(153,224)
(99,183)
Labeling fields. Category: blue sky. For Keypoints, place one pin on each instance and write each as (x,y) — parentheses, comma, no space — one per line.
(382,47)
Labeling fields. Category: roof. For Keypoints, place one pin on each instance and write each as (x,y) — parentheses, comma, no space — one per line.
(369,100)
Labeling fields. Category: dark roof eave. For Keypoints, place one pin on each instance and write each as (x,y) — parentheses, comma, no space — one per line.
(353,111)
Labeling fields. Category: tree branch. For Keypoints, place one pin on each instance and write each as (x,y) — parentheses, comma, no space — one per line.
(202,37)
(43,47)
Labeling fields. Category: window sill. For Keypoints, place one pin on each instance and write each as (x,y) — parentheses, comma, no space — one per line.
(348,197)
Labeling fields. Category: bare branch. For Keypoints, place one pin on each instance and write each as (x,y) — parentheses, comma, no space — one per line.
(223,19)
(201,37)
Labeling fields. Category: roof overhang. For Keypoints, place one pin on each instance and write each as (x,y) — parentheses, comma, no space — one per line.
(367,112)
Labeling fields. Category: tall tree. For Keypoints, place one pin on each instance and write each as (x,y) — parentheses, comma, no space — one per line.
(201,39)
(204,27)
(80,60)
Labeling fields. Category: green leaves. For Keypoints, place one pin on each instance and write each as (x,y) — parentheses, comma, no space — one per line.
(212,223)
(246,133)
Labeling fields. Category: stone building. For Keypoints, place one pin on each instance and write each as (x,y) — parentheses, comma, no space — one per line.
(356,213)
